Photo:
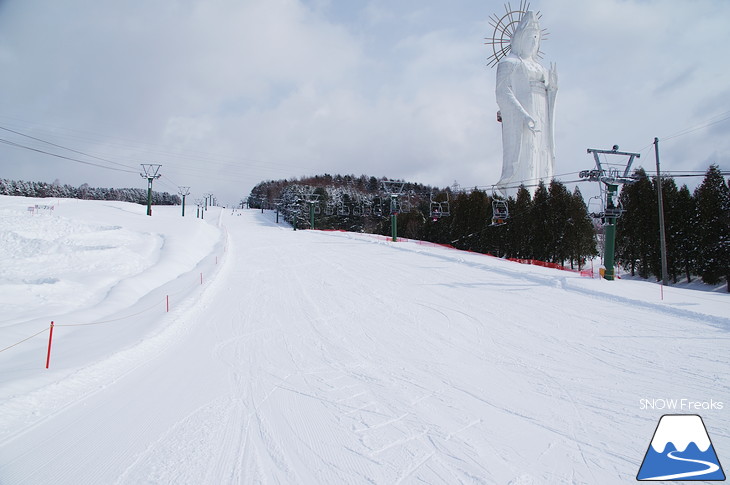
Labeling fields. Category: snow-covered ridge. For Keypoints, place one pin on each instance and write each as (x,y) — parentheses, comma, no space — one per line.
(89,261)
(80,253)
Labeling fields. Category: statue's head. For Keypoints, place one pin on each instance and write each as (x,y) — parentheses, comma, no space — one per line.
(526,39)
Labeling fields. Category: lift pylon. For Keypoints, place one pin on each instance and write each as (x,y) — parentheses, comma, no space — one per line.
(610,175)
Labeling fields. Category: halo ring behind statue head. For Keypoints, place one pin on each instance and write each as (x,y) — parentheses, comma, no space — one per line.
(504,29)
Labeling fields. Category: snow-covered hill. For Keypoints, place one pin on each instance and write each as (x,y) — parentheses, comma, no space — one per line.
(311,357)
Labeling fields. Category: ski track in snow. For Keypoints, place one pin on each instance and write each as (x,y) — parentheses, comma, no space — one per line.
(338,358)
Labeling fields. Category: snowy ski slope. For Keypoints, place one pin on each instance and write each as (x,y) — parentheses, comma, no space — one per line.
(328,358)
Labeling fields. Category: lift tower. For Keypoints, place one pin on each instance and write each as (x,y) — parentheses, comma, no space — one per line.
(610,175)
(184,192)
(150,173)
(394,190)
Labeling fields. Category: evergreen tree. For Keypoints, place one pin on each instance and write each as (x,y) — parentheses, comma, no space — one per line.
(560,222)
(581,238)
(494,237)
(637,229)
(541,226)
(468,219)
(713,231)
(682,232)
(479,220)
(519,231)
(670,196)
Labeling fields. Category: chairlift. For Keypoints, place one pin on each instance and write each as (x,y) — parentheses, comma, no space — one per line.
(377,207)
(500,212)
(435,211)
(357,210)
(439,208)
(613,211)
(343,210)
(445,209)
(394,205)
(405,206)
(329,209)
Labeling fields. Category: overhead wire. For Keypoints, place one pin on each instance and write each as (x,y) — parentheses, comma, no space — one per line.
(712,121)
(232,165)
(65,148)
(18,145)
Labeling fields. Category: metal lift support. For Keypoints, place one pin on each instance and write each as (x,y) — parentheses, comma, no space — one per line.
(611,177)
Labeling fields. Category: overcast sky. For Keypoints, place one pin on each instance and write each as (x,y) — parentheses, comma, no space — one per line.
(227,93)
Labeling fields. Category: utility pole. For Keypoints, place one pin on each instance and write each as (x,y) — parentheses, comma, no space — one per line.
(150,173)
(183,191)
(662,237)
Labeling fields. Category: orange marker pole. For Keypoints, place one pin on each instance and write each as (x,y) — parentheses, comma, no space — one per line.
(50,340)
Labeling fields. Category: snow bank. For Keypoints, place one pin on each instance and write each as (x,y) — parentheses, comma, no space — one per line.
(84,262)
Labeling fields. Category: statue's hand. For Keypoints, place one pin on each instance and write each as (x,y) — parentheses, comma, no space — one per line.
(531,124)
(553,77)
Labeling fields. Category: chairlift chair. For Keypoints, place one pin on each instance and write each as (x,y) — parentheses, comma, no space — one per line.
(435,211)
(500,212)
(440,208)
(377,207)
(445,210)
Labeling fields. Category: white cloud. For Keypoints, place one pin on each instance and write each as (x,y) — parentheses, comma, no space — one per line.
(241,91)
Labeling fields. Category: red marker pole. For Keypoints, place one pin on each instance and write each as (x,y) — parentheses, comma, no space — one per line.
(167,301)
(50,340)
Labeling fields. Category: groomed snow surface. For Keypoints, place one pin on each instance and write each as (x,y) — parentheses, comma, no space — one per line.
(307,357)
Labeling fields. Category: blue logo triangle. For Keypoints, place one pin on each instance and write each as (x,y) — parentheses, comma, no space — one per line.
(681,450)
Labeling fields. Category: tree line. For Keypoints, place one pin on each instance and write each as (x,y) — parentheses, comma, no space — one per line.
(552,226)
(697,228)
(45,190)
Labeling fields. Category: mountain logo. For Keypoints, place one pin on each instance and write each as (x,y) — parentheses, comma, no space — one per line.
(680,450)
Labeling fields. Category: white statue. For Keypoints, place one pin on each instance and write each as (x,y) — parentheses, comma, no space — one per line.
(526,97)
